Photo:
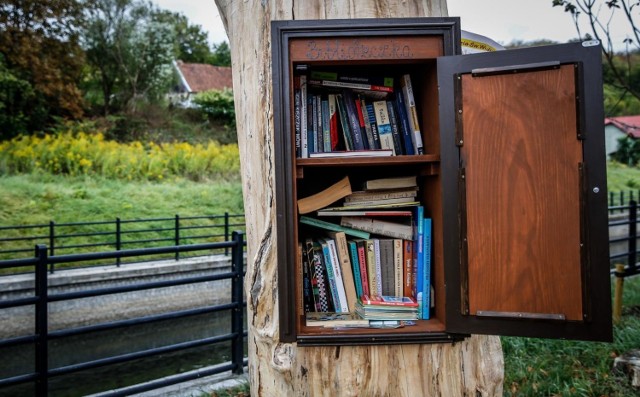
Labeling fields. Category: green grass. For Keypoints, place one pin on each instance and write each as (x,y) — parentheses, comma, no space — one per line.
(41,198)
(621,177)
(541,367)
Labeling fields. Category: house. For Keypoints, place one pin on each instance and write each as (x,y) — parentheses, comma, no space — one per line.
(618,127)
(198,77)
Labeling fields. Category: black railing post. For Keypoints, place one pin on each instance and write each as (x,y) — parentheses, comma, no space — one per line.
(226,231)
(237,320)
(52,241)
(41,322)
(177,235)
(633,235)
(118,240)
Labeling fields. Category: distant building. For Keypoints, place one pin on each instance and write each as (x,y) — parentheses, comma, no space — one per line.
(618,127)
(198,77)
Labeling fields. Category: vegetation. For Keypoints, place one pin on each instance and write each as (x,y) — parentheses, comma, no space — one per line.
(539,367)
(621,177)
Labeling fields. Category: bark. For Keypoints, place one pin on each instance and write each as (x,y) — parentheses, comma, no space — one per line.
(472,367)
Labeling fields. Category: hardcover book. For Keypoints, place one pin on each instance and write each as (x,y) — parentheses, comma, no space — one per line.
(384,125)
(379,226)
(412,113)
(328,196)
(305,220)
(391,183)
(323,300)
(346,268)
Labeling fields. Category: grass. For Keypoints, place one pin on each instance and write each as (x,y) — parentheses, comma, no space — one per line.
(621,177)
(540,367)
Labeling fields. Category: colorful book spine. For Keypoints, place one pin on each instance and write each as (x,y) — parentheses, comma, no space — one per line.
(362,261)
(426,274)
(333,121)
(364,126)
(387,272)
(333,286)
(395,131)
(323,302)
(355,264)
(297,109)
(403,124)
(306,283)
(372,274)
(311,139)
(374,127)
(353,120)
(346,268)
(326,128)
(318,124)
(346,132)
(304,146)
(333,227)
(384,125)
(378,268)
(398,267)
(419,257)
(408,274)
(412,113)
(339,276)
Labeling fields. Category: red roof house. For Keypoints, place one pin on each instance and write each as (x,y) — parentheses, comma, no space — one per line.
(618,127)
(199,77)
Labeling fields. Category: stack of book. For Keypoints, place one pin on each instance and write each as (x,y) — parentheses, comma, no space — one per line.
(342,115)
(366,247)
(387,308)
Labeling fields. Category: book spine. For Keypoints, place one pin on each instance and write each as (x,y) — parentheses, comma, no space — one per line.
(333,121)
(419,244)
(398,267)
(355,197)
(333,287)
(354,122)
(371,267)
(310,136)
(339,276)
(378,226)
(355,264)
(323,301)
(306,282)
(395,132)
(403,123)
(297,115)
(374,127)
(318,124)
(426,275)
(408,275)
(412,113)
(344,120)
(362,260)
(364,126)
(352,86)
(346,268)
(376,250)
(386,267)
(326,128)
(384,126)
(304,149)
(363,79)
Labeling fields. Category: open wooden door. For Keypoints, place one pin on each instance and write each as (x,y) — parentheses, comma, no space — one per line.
(524,193)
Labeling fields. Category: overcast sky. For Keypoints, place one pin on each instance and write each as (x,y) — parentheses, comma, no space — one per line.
(501,20)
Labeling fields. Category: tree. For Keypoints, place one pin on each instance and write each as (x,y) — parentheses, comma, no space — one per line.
(621,71)
(191,42)
(130,49)
(221,55)
(39,44)
(472,367)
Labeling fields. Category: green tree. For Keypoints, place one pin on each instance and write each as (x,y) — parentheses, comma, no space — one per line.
(628,151)
(42,63)
(191,42)
(129,50)
(221,54)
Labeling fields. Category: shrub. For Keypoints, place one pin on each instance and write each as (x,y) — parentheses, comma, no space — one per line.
(217,105)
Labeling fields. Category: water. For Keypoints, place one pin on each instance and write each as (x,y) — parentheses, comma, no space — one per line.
(96,345)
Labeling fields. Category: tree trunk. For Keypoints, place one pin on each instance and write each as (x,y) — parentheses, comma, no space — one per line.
(469,368)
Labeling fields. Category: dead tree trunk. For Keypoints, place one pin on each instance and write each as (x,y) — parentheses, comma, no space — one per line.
(469,368)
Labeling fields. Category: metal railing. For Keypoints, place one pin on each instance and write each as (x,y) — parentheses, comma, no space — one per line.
(628,220)
(42,298)
(118,234)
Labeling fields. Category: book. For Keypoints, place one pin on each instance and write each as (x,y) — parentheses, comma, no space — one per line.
(395,130)
(403,124)
(307,304)
(346,269)
(305,220)
(387,270)
(357,135)
(339,275)
(374,127)
(311,139)
(297,109)
(331,276)
(323,300)
(331,320)
(394,301)
(333,193)
(361,245)
(353,153)
(363,212)
(378,265)
(412,113)
(379,204)
(344,121)
(371,90)
(419,257)
(326,131)
(426,273)
(372,273)
(355,265)
(384,125)
(361,79)
(363,195)
(364,127)
(398,267)
(408,274)
(304,149)
(391,183)
(378,226)
(320,140)
(333,121)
